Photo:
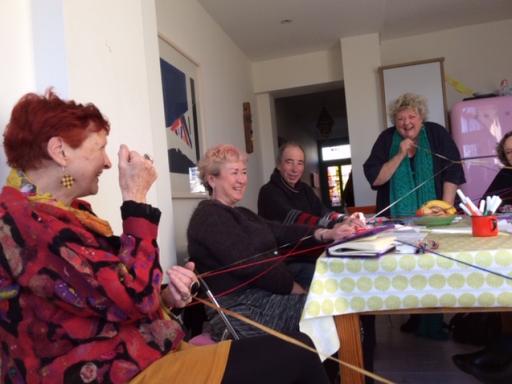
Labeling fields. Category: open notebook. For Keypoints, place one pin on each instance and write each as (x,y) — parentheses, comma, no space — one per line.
(366,246)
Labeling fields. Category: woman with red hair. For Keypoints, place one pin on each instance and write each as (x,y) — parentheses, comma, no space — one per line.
(80,305)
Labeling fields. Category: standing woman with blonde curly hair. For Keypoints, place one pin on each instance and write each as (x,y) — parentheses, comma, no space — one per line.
(404,157)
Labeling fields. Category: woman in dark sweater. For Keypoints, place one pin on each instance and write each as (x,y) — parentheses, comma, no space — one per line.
(221,234)
(502,183)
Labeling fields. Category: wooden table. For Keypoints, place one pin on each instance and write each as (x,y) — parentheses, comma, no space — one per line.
(348,329)
(342,289)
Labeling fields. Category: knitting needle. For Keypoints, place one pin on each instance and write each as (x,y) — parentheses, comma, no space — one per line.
(221,314)
(408,193)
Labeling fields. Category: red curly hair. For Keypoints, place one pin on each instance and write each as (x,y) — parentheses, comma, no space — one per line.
(35,119)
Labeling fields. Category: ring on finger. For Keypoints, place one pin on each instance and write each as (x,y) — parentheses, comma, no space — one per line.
(185,297)
(194,288)
(149,158)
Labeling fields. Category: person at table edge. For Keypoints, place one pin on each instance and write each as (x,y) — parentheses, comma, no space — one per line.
(406,155)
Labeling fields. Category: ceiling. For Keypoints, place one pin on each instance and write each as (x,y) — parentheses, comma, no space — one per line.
(256,25)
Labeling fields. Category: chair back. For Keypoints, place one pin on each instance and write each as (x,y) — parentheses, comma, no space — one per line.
(366,209)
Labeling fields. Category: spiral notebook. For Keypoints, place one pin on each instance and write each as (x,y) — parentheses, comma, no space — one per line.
(371,244)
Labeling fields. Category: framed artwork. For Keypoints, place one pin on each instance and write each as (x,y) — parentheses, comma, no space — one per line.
(425,78)
(182,123)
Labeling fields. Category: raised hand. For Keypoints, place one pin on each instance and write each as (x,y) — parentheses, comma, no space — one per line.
(136,174)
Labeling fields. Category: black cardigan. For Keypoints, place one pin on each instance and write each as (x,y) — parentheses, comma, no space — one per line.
(278,201)
(440,142)
(502,186)
(219,235)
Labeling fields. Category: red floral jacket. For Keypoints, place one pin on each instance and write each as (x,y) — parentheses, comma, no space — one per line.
(76,306)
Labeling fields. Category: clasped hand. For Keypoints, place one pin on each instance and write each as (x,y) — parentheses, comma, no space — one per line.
(347,227)
(181,279)
(407,147)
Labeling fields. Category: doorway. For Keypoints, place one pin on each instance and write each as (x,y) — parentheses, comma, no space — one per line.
(335,167)
(301,117)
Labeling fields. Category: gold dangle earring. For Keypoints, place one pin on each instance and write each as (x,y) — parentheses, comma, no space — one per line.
(66,180)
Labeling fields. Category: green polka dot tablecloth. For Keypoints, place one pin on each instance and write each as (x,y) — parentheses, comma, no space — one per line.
(401,281)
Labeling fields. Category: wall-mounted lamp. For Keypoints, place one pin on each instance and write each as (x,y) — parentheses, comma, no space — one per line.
(324,123)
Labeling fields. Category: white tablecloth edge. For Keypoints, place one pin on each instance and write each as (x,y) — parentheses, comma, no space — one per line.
(322,331)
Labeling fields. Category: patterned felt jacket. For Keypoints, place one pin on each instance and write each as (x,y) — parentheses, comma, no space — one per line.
(77,306)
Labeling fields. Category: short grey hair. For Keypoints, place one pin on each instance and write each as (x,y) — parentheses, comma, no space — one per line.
(408,100)
(283,147)
(214,158)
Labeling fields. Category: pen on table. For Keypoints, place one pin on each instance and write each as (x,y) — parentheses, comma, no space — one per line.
(465,209)
(486,208)
(461,195)
(468,204)
(473,207)
(493,200)
(488,202)
(481,207)
(490,207)
(492,204)
(496,204)
(499,203)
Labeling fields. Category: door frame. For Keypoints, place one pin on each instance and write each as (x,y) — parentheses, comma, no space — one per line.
(322,168)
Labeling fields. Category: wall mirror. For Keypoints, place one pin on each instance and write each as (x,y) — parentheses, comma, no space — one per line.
(424,78)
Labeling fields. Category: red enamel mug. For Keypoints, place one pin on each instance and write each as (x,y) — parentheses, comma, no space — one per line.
(484,226)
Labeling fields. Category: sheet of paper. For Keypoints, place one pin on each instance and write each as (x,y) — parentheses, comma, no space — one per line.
(459,230)
(504,226)
(407,234)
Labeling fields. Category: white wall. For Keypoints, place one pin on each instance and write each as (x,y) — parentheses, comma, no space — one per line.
(49,48)
(321,67)
(479,55)
(361,60)
(107,53)
(112,60)
(224,84)
(17,76)
(267,133)
(297,71)
(93,52)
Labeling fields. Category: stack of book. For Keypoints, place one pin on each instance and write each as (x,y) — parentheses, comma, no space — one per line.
(370,246)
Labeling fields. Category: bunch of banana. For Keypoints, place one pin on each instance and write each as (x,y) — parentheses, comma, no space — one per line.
(436,208)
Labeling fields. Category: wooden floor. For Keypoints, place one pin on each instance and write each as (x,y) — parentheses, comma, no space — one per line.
(406,358)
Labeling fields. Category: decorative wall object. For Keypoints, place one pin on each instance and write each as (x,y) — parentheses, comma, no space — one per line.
(425,78)
(324,123)
(249,143)
(181,107)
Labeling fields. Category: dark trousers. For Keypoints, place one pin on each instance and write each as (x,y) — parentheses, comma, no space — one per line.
(266,359)
(369,342)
